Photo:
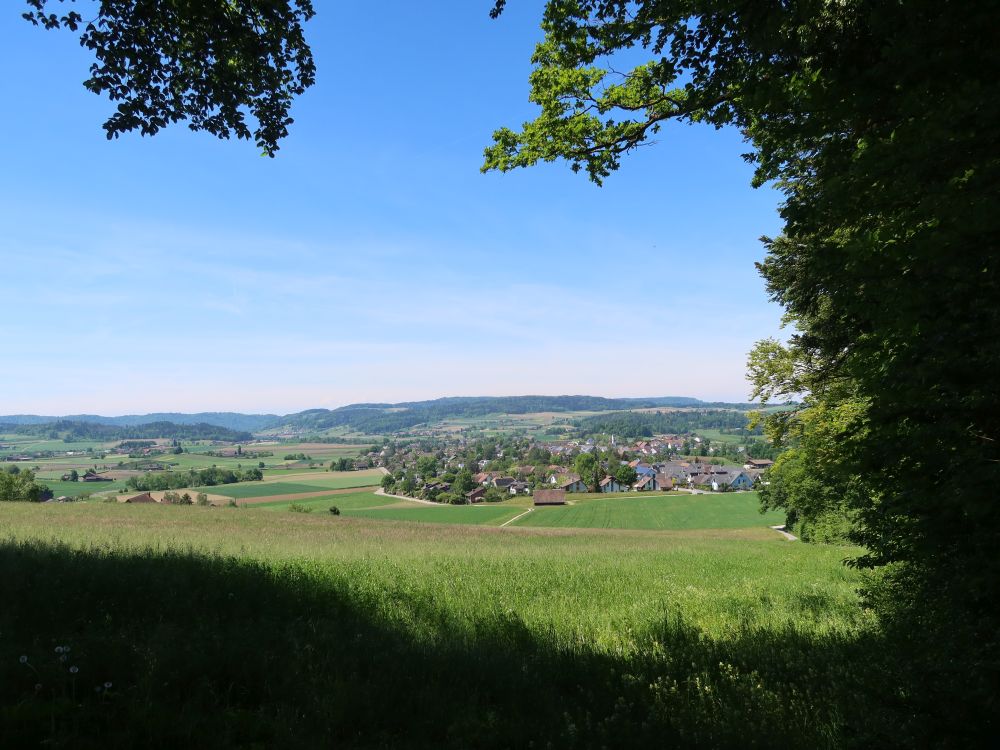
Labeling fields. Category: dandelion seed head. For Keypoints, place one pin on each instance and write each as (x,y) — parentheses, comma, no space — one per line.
(107,685)
(59,649)
(23,659)
(73,670)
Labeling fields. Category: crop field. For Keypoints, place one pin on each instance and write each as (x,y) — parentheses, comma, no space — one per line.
(294,629)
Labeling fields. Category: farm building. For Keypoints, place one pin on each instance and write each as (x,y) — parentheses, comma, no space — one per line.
(550,497)
(476,496)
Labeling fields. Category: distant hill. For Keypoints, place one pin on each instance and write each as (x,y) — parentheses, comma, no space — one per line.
(381,418)
(66,429)
(228,419)
(373,418)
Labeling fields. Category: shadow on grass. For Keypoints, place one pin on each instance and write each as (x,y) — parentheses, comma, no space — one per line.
(216,651)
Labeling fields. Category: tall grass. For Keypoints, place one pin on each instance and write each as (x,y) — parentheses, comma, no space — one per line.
(259,629)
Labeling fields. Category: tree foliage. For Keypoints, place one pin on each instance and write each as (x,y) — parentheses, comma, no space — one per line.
(208,62)
(630,424)
(625,475)
(878,122)
(21,486)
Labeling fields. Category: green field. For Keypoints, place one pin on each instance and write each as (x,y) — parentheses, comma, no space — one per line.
(718,436)
(454,514)
(264,629)
(312,483)
(631,511)
(345,502)
(658,511)
(75,489)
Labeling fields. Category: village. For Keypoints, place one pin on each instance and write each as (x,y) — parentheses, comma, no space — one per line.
(496,469)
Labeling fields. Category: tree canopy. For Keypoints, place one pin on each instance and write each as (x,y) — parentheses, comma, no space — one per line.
(878,122)
(208,62)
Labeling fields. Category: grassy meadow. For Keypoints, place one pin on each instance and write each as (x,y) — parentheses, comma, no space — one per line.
(260,629)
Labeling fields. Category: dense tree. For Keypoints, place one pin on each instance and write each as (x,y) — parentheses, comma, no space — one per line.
(878,122)
(21,486)
(589,469)
(427,467)
(463,483)
(626,475)
(341,464)
(206,63)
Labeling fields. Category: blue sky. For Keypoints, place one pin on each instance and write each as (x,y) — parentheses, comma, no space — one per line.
(369,261)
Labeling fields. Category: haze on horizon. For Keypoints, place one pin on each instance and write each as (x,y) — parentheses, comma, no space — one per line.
(369,261)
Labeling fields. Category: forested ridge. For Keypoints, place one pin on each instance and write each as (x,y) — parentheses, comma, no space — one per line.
(629,424)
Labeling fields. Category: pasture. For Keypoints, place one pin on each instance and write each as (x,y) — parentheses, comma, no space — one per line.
(296,629)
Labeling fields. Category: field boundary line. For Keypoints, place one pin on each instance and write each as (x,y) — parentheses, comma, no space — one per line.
(519,515)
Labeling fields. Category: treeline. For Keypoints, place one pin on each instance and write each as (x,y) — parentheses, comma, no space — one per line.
(75,431)
(646,424)
(175,480)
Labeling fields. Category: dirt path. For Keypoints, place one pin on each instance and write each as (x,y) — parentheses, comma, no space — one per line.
(519,515)
(781,530)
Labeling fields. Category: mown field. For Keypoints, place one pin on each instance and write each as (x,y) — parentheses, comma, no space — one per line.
(259,629)
(657,511)
(296,484)
(627,511)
